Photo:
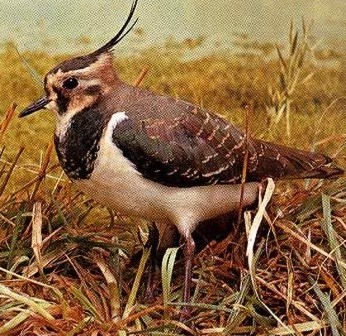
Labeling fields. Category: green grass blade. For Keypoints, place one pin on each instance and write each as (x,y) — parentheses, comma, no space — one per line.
(332,239)
(36,305)
(237,315)
(133,295)
(14,322)
(329,310)
(166,273)
(85,302)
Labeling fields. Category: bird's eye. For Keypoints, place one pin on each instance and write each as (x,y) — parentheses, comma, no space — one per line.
(70,83)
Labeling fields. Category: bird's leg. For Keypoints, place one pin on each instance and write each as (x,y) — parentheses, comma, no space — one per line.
(189,252)
(152,242)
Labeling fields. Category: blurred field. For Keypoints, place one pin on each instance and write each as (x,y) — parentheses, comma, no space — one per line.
(64,260)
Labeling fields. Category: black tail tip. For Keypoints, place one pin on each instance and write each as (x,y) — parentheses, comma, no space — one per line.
(335,172)
(330,171)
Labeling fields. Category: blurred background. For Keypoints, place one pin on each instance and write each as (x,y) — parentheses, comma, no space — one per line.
(63,26)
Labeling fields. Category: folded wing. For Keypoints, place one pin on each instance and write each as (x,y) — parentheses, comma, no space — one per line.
(194,147)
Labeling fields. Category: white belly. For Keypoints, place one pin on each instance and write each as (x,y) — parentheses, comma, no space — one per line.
(116,183)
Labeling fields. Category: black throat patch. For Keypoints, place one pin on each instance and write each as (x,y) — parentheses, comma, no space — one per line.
(78,148)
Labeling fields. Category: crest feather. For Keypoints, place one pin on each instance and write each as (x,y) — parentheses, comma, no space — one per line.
(121,33)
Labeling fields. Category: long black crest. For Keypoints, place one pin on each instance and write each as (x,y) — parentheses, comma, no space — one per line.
(121,33)
(84,61)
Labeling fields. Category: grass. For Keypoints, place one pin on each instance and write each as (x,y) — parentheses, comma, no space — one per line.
(65,262)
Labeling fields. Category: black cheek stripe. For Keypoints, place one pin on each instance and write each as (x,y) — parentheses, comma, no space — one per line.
(62,101)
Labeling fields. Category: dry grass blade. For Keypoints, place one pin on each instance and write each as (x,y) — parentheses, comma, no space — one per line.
(43,169)
(281,58)
(298,305)
(15,238)
(245,165)
(36,239)
(184,327)
(147,311)
(55,290)
(46,259)
(25,187)
(312,326)
(244,330)
(6,121)
(30,69)
(113,288)
(290,285)
(251,241)
(36,305)
(285,227)
(257,221)
(141,76)
(86,303)
(288,78)
(80,326)
(10,171)
(19,301)
(294,43)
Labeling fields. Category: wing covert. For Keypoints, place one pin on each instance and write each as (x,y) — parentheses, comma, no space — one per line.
(185,151)
(182,145)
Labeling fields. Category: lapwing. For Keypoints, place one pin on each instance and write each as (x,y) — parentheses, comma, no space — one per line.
(157,157)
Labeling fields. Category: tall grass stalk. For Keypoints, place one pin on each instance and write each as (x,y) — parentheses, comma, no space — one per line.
(281,98)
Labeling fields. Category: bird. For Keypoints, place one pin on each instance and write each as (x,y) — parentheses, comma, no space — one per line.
(157,157)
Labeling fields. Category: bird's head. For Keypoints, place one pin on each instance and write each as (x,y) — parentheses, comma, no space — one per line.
(78,83)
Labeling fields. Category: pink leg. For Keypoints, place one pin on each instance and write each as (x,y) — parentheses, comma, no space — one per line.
(189,252)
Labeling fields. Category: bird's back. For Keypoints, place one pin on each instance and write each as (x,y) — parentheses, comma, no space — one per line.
(179,144)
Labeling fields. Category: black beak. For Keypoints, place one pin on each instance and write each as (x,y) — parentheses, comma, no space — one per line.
(38,105)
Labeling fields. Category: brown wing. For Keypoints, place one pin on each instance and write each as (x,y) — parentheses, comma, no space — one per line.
(177,144)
